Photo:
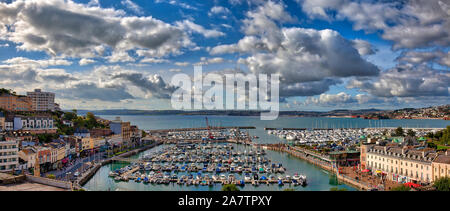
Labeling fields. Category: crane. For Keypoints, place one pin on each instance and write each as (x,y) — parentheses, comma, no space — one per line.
(209,129)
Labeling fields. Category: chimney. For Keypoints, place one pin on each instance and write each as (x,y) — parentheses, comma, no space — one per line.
(403,150)
(423,153)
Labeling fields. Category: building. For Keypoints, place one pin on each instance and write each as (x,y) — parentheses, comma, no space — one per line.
(123,128)
(86,144)
(441,165)
(401,164)
(136,135)
(116,126)
(2,121)
(35,124)
(42,101)
(100,132)
(9,123)
(12,102)
(82,132)
(68,123)
(363,154)
(126,131)
(9,158)
(29,156)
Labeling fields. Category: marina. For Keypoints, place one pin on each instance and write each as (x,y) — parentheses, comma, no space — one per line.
(316,179)
(192,164)
(307,136)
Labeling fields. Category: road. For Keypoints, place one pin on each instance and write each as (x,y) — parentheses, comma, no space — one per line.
(66,173)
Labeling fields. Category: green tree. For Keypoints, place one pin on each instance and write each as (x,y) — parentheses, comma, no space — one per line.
(430,135)
(51,176)
(144,134)
(91,122)
(399,131)
(432,145)
(442,184)
(230,187)
(70,116)
(46,137)
(401,188)
(445,139)
(411,133)
(289,189)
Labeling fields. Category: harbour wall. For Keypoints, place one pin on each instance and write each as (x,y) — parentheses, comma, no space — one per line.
(50,182)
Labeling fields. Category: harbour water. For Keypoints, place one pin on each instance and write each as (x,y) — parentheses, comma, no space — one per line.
(318,179)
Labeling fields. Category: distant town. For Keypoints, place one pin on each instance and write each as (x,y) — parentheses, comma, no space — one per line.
(433,112)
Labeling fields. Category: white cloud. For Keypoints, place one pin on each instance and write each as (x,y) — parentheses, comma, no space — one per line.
(214,60)
(364,48)
(132,6)
(183,64)
(188,25)
(154,60)
(218,10)
(120,56)
(331,99)
(85,61)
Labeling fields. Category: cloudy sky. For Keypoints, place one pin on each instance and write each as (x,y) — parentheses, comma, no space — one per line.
(330,54)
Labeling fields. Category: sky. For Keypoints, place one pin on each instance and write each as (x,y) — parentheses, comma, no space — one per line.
(330,54)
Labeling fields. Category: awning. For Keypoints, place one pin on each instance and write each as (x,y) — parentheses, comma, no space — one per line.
(378,171)
(365,170)
(412,185)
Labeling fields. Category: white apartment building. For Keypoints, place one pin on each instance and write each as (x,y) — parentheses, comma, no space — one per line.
(33,123)
(42,101)
(9,158)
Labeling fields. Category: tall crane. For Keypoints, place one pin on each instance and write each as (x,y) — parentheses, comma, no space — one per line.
(209,129)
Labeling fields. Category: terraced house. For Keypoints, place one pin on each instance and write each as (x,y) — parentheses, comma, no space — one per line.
(404,164)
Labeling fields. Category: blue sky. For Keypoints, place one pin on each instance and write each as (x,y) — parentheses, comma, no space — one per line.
(330,55)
